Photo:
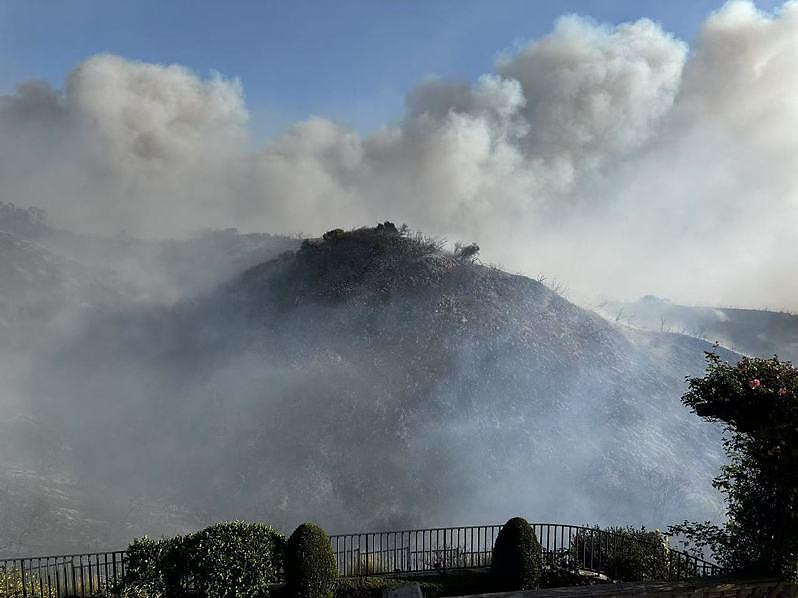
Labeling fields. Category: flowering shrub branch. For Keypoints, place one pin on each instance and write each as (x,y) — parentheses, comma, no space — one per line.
(757,400)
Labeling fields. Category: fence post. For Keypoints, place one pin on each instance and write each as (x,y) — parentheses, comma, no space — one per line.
(445,554)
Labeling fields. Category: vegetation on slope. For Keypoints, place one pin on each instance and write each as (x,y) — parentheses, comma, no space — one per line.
(357,377)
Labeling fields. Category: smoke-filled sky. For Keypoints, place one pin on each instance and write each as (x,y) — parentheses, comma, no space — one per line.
(612,154)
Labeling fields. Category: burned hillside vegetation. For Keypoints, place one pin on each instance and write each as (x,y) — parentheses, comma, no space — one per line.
(373,378)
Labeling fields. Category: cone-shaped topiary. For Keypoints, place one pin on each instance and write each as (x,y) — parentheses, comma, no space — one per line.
(516,557)
(310,567)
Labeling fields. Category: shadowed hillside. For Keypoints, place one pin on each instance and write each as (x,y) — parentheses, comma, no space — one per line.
(54,285)
(371,379)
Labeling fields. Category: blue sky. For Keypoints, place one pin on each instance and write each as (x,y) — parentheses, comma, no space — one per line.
(350,60)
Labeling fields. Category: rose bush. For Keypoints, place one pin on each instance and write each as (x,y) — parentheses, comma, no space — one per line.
(756,401)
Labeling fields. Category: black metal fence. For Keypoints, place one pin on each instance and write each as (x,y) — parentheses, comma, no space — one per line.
(576,548)
(612,554)
(413,551)
(64,575)
(618,555)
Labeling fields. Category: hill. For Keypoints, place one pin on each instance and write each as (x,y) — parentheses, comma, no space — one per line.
(371,379)
(53,286)
(754,332)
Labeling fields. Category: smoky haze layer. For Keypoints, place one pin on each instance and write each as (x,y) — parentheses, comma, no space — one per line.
(54,286)
(372,380)
(607,156)
(157,378)
(753,332)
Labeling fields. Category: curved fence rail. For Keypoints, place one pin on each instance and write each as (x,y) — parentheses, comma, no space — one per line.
(591,550)
(413,551)
(616,556)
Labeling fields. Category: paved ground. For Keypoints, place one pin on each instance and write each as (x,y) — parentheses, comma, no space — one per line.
(713,589)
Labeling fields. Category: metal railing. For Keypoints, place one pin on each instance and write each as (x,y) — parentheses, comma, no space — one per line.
(592,550)
(616,556)
(85,574)
(416,550)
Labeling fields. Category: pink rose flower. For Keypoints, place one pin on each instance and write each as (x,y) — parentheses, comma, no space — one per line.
(755,383)
(782,392)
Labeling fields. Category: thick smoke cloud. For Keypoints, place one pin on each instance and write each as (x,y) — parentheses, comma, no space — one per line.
(606,156)
(126,145)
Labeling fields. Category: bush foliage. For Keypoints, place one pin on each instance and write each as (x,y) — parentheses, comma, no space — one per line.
(310,567)
(11,582)
(228,560)
(621,553)
(757,400)
(516,562)
(342,265)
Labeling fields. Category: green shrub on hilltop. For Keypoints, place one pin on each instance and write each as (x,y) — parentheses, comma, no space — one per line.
(310,567)
(233,559)
(516,562)
(343,265)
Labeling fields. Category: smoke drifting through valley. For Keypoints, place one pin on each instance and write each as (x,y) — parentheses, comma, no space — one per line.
(366,381)
(606,156)
(616,158)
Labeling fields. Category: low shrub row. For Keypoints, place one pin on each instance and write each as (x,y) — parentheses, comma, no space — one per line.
(232,560)
(237,559)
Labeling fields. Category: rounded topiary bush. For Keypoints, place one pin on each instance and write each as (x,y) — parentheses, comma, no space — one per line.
(226,560)
(235,558)
(516,562)
(310,567)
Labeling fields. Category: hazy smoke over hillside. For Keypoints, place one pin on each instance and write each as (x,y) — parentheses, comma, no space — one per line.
(607,156)
(192,380)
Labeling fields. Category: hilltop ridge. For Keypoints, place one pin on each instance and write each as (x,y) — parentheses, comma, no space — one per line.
(755,332)
(371,378)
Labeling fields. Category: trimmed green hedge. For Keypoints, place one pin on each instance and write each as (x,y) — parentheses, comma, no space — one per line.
(629,555)
(234,559)
(310,567)
(516,563)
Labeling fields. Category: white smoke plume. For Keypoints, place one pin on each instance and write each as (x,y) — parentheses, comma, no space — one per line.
(616,158)
(126,145)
